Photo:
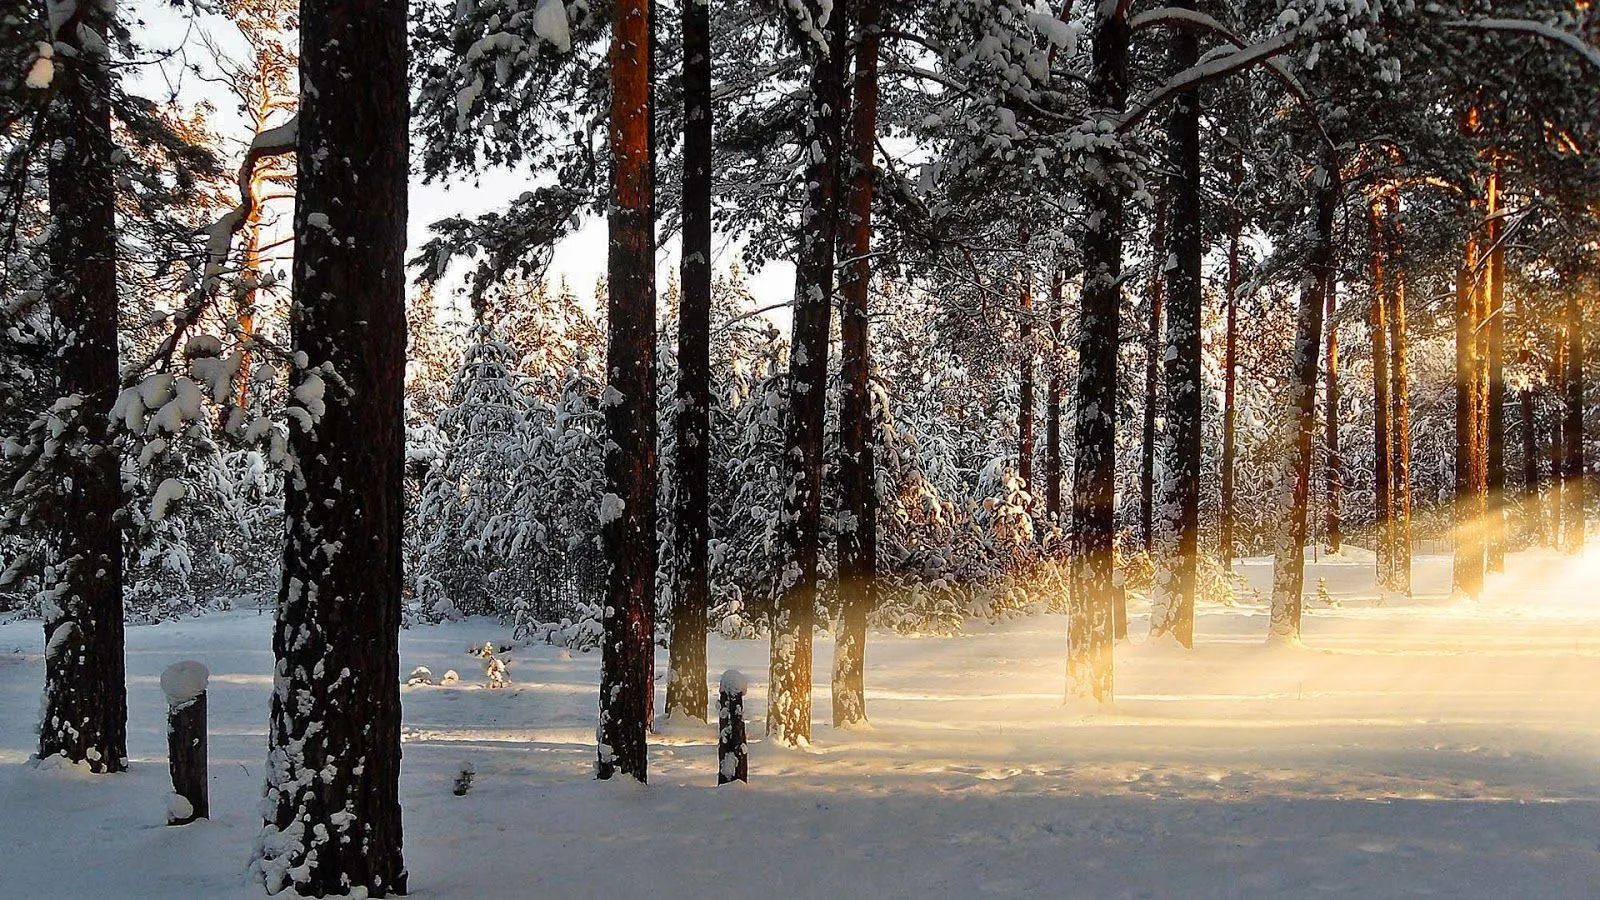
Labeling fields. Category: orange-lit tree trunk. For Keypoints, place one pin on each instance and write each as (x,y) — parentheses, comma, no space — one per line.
(628,508)
(1330,436)
(1467,570)
(858,545)
(789,706)
(1383,449)
(1230,392)
(1558,432)
(1572,491)
(1493,330)
(1400,401)
(691,596)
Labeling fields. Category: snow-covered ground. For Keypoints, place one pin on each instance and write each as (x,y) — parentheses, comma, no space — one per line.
(1424,748)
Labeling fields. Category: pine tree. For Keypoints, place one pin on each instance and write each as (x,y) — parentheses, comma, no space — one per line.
(821,30)
(858,543)
(691,599)
(85,712)
(1090,626)
(332,805)
(628,509)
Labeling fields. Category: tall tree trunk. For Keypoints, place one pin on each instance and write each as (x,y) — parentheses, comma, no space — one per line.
(686,676)
(1558,431)
(1383,443)
(1467,571)
(1174,610)
(628,509)
(1230,394)
(1094,588)
(789,706)
(1400,402)
(1288,567)
(1152,377)
(333,767)
(858,545)
(1052,407)
(1532,511)
(1572,492)
(85,711)
(1494,422)
(1025,401)
(1330,436)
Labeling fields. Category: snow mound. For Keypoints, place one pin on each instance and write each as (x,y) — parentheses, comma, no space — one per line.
(184,681)
(734,682)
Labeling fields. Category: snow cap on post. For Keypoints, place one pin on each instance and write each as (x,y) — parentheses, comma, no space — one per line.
(734,682)
(184,681)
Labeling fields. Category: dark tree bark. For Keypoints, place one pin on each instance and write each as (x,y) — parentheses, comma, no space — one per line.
(1288,570)
(1572,491)
(1558,431)
(789,704)
(1400,401)
(333,772)
(84,717)
(1174,611)
(858,546)
(628,509)
(686,678)
(1152,377)
(1025,401)
(1052,407)
(1094,589)
(1494,423)
(1383,443)
(1230,393)
(1334,473)
(1467,570)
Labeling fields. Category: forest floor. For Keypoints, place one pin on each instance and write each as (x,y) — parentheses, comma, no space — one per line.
(1417,748)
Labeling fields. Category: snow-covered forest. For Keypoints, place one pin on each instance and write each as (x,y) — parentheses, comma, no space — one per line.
(1136,434)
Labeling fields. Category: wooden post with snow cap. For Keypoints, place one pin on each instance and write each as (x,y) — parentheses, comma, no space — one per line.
(733,753)
(185,686)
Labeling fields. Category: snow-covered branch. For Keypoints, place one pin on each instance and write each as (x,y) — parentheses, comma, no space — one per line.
(1533,28)
(1208,71)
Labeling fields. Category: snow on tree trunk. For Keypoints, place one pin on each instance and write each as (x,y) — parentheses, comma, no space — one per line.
(789,702)
(691,596)
(628,508)
(1294,482)
(332,807)
(1173,610)
(1400,401)
(858,544)
(1093,602)
(1152,377)
(1025,403)
(85,709)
